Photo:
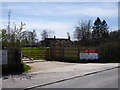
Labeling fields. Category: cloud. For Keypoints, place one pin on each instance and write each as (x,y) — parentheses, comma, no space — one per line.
(60,0)
(91,11)
(65,9)
(113,28)
(60,28)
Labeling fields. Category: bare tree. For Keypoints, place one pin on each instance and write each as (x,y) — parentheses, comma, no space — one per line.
(50,33)
(83,31)
(46,34)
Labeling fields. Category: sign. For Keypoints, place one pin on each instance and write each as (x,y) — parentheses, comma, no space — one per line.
(91,51)
(4,59)
(93,56)
(87,56)
(84,56)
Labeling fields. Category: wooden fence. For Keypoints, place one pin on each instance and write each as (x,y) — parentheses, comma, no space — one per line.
(57,53)
(64,53)
(67,53)
(36,54)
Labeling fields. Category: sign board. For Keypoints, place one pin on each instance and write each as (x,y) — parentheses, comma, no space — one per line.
(87,56)
(93,56)
(84,56)
(4,59)
(91,50)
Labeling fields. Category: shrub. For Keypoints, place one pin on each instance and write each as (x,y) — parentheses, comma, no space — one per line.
(110,52)
(26,67)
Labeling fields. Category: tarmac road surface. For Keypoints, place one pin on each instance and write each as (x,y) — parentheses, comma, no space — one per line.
(106,79)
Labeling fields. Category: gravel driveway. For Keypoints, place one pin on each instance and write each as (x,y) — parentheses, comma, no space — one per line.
(40,65)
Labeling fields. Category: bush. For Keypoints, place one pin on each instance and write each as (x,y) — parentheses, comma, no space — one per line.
(26,67)
(110,52)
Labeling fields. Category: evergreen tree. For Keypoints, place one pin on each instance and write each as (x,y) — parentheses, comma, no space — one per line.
(104,31)
(100,31)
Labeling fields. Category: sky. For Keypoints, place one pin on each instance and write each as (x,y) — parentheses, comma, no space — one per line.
(60,17)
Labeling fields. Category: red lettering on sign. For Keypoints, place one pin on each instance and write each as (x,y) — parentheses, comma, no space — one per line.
(91,51)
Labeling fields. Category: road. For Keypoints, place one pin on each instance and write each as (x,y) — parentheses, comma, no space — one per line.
(106,79)
(58,74)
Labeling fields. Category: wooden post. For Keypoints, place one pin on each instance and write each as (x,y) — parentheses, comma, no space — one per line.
(63,52)
(78,53)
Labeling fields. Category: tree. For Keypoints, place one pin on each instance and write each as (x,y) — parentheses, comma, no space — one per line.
(29,38)
(19,39)
(18,31)
(50,33)
(114,36)
(100,31)
(104,31)
(83,32)
(4,37)
(3,34)
(45,34)
(34,37)
(78,34)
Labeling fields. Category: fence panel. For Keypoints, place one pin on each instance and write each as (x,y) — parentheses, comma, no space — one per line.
(59,52)
(64,53)
(71,53)
(36,54)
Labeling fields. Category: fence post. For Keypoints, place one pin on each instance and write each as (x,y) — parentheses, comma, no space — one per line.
(49,53)
(78,54)
(63,52)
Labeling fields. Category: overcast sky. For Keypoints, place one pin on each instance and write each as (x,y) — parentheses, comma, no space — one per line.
(62,17)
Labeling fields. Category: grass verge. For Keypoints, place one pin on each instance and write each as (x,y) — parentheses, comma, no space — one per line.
(26,67)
